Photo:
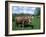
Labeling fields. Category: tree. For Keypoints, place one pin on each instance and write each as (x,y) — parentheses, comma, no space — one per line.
(37,11)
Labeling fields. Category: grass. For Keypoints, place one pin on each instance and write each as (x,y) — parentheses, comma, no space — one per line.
(35,23)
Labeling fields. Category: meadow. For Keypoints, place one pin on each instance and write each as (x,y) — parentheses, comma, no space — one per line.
(35,23)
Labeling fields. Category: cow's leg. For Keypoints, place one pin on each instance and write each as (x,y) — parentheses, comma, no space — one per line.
(23,25)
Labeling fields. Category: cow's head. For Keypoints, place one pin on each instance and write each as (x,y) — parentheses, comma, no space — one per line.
(30,19)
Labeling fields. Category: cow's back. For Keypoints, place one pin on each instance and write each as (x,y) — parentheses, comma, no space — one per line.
(19,19)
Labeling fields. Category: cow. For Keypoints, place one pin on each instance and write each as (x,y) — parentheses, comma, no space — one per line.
(23,20)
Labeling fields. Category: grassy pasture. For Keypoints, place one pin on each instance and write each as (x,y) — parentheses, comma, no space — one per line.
(35,23)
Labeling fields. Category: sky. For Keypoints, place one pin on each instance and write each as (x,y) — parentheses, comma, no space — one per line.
(21,9)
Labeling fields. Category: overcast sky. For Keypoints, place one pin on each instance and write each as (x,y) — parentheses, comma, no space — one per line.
(25,10)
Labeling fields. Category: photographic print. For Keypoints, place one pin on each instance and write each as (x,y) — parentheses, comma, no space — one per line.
(24,18)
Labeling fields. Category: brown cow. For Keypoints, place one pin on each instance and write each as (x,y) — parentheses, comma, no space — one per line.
(23,20)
